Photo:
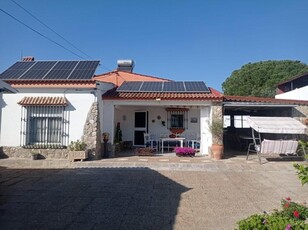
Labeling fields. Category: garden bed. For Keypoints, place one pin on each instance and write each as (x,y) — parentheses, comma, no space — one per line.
(145,151)
(185,151)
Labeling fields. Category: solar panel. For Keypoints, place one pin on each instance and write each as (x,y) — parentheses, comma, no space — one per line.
(196,86)
(38,70)
(151,87)
(51,70)
(16,70)
(84,70)
(133,86)
(173,86)
(61,70)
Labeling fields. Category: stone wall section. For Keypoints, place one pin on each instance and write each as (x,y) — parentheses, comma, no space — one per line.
(20,152)
(92,133)
(301,114)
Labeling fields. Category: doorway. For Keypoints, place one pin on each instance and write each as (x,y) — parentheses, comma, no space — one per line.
(140,127)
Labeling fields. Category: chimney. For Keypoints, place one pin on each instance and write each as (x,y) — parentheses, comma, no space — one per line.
(27,59)
(126,65)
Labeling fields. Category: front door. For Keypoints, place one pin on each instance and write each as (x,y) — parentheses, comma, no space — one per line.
(140,127)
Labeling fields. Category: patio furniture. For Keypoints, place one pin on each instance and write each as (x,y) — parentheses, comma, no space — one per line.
(168,140)
(150,140)
(274,125)
(245,142)
(192,141)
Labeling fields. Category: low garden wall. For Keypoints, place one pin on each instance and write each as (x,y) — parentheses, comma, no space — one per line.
(20,152)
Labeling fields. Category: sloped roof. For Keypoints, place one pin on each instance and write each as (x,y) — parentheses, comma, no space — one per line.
(293,78)
(52,84)
(265,100)
(113,94)
(50,70)
(118,77)
(5,87)
(43,101)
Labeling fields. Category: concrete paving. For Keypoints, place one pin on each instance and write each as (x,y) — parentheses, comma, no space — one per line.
(154,193)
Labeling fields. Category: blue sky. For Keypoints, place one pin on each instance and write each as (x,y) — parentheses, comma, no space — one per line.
(176,39)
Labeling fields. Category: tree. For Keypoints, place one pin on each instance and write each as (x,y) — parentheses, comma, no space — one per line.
(261,78)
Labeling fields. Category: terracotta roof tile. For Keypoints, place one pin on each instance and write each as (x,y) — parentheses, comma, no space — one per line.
(118,77)
(114,95)
(43,101)
(52,83)
(264,100)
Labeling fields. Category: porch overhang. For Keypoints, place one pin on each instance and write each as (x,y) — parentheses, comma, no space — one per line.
(6,88)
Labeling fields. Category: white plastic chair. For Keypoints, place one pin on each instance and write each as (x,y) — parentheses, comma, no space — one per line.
(192,141)
(149,140)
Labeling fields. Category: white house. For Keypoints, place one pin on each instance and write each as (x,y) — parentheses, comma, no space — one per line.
(52,107)
(61,101)
(146,104)
(295,88)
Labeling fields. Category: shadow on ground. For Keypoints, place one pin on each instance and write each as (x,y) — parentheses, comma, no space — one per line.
(101,198)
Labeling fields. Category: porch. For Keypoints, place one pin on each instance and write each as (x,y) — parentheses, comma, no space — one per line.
(129,121)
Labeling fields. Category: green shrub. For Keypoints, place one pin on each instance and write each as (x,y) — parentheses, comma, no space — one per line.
(77,146)
(273,221)
(302,172)
(292,216)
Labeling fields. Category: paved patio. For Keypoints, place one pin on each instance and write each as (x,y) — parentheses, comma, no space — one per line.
(141,192)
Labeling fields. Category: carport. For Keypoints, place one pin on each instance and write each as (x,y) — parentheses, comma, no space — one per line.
(236,110)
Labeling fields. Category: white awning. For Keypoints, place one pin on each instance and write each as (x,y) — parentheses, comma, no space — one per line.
(276,125)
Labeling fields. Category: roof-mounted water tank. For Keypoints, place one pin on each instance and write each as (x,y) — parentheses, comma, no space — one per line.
(126,65)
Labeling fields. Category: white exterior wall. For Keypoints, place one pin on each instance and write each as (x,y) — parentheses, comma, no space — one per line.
(206,136)
(80,102)
(296,94)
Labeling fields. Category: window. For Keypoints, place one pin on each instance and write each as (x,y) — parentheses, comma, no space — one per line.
(227,121)
(177,121)
(45,129)
(240,121)
(177,118)
(44,126)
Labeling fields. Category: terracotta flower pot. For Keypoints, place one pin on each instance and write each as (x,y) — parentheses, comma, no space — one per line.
(217,152)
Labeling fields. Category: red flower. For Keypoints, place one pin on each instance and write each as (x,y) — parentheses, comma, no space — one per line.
(296,214)
(288,198)
(286,205)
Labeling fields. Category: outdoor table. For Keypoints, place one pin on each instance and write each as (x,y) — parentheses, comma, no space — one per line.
(162,140)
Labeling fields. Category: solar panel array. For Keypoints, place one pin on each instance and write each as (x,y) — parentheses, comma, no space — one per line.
(172,86)
(50,70)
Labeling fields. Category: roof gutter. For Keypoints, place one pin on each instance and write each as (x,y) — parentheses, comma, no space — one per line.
(6,88)
(237,104)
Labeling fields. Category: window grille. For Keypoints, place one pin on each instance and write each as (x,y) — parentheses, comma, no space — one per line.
(44,126)
(177,118)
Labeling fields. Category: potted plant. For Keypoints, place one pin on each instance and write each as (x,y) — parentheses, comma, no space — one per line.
(77,150)
(216,128)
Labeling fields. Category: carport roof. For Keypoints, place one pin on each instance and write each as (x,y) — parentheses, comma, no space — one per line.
(247,100)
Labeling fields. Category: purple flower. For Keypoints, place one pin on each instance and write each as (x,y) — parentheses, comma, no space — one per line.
(184,151)
(288,227)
